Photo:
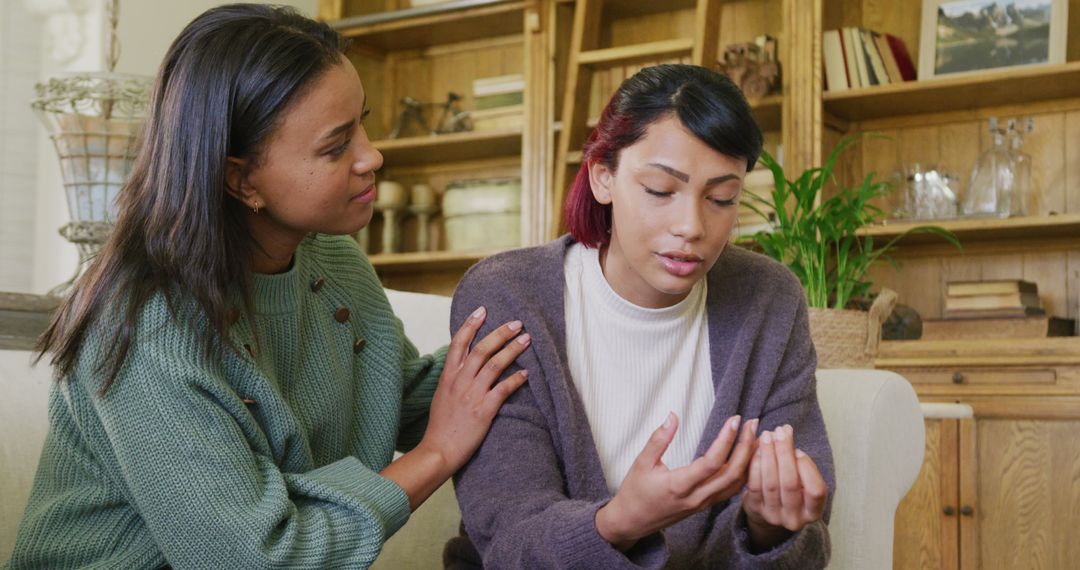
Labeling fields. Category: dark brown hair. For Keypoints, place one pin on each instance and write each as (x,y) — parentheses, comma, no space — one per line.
(706,102)
(220,92)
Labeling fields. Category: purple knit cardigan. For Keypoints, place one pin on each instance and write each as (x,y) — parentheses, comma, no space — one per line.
(530,494)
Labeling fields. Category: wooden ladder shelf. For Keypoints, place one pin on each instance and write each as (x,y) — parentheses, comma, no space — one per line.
(586,57)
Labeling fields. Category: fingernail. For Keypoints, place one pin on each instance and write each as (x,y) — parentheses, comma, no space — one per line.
(781,434)
(800,453)
(478,313)
(670,420)
(754,424)
(789,429)
(524,339)
(766,438)
(515,326)
(733,423)
(524,373)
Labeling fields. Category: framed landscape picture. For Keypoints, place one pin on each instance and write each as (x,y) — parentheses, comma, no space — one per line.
(968,36)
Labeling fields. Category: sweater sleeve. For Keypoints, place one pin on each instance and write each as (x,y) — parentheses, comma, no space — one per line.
(512,493)
(792,400)
(421,378)
(203,481)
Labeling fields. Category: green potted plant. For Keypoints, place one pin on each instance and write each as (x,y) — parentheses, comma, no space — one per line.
(818,236)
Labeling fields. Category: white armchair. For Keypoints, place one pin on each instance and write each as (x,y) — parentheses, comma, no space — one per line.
(873,419)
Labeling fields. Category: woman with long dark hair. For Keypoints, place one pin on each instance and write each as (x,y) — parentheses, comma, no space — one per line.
(644,316)
(232,383)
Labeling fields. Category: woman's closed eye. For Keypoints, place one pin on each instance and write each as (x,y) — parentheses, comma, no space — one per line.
(724,202)
(657,193)
(339,149)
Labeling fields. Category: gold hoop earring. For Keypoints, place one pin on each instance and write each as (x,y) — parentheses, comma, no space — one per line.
(256,208)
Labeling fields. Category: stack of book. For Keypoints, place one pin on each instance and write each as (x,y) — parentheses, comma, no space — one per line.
(497,102)
(994,309)
(855,57)
(992,299)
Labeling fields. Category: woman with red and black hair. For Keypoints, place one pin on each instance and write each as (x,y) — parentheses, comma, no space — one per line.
(646,316)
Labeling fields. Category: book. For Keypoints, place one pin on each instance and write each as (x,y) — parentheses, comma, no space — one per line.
(498,118)
(832,53)
(1000,301)
(888,58)
(992,287)
(498,100)
(1024,327)
(993,313)
(851,49)
(903,60)
(874,58)
(865,72)
(498,85)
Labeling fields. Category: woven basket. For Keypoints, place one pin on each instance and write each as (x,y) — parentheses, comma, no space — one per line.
(849,339)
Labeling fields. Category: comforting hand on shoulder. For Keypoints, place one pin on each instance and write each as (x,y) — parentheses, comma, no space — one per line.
(653,497)
(465,402)
(785,491)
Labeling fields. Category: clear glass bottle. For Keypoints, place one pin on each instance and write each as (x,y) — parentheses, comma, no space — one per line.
(990,192)
(1024,198)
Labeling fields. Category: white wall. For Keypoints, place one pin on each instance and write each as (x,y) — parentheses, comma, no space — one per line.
(146,28)
(20,54)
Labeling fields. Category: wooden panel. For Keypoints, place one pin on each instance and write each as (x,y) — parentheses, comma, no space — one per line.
(744,21)
(980,376)
(920,146)
(1046,145)
(1072,160)
(911,284)
(802,113)
(629,30)
(969,471)
(1073,286)
(1045,270)
(1027,506)
(925,537)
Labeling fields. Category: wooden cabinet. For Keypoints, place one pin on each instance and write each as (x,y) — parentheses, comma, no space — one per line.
(425,53)
(1000,489)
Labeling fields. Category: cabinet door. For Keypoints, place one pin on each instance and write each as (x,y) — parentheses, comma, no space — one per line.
(1020,484)
(926,519)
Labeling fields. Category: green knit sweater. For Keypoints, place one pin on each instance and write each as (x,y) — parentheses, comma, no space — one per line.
(267,458)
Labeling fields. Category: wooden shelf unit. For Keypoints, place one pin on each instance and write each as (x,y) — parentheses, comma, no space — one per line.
(452,147)
(963,511)
(424,53)
(965,92)
(417,28)
(970,230)
(426,261)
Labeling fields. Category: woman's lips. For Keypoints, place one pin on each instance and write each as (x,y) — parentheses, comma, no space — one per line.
(365,197)
(679,264)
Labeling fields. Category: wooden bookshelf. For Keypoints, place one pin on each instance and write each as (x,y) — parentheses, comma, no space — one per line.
(452,22)
(426,261)
(452,147)
(638,8)
(996,88)
(970,230)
